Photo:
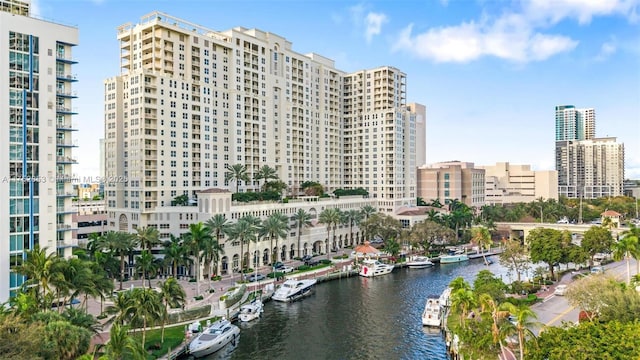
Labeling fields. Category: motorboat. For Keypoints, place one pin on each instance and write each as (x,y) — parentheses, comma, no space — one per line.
(458,256)
(371,268)
(292,290)
(432,314)
(419,262)
(251,311)
(445,298)
(214,338)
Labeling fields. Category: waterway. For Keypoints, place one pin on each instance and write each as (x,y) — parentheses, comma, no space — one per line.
(356,318)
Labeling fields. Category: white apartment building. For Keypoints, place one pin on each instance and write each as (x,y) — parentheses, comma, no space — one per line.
(36,95)
(508,183)
(191,101)
(575,124)
(591,168)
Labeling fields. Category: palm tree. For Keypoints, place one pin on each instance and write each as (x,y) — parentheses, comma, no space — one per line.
(40,269)
(244,230)
(634,232)
(145,264)
(463,300)
(197,235)
(625,248)
(367,211)
(523,315)
(121,244)
(172,295)
(274,226)
(174,253)
(123,308)
(352,217)
(489,304)
(148,308)
(303,220)
(236,173)
(219,226)
(211,250)
(265,173)
(481,236)
(148,237)
(122,346)
(331,218)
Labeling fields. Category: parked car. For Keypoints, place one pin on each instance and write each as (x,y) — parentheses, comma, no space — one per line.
(560,290)
(285,269)
(309,260)
(254,277)
(597,270)
(278,264)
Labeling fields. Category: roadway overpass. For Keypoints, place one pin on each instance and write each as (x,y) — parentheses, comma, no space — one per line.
(521,230)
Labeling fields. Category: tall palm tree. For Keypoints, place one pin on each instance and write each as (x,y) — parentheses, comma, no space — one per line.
(148,308)
(236,173)
(197,235)
(172,295)
(331,217)
(352,217)
(40,269)
(490,305)
(524,316)
(634,233)
(302,220)
(275,227)
(265,173)
(148,237)
(174,253)
(122,346)
(481,236)
(624,249)
(367,211)
(244,230)
(463,300)
(121,244)
(211,250)
(219,226)
(145,264)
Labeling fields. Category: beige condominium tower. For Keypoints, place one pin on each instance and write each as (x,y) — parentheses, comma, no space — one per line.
(191,101)
(36,95)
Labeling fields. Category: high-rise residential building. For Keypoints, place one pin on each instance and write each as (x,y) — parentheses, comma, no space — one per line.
(451,180)
(508,183)
(575,124)
(36,95)
(587,166)
(591,168)
(191,101)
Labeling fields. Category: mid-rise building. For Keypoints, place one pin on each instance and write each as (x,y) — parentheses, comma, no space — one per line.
(192,101)
(508,183)
(36,108)
(90,217)
(451,180)
(591,168)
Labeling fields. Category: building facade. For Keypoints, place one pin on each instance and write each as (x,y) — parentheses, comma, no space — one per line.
(591,168)
(508,183)
(36,96)
(575,124)
(447,181)
(191,101)
(90,217)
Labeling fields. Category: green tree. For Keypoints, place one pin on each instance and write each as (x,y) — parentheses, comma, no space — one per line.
(175,254)
(172,295)
(625,248)
(487,283)
(265,173)
(524,321)
(219,226)
(330,217)
(237,173)
(122,244)
(148,237)
(426,234)
(122,346)
(462,301)
(302,220)
(352,217)
(148,308)
(546,245)
(480,235)
(40,269)
(69,341)
(392,247)
(596,240)
(198,235)
(515,257)
(20,339)
(634,233)
(276,227)
(244,231)
(145,264)
(180,200)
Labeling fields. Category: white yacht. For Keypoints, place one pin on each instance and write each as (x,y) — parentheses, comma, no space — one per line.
(214,338)
(419,262)
(445,297)
(251,311)
(292,290)
(371,268)
(458,256)
(432,314)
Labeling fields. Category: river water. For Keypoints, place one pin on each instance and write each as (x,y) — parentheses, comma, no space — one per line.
(355,318)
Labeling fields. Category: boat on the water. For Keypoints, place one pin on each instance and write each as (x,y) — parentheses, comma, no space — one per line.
(292,290)
(432,314)
(445,298)
(214,338)
(419,262)
(251,311)
(371,268)
(454,257)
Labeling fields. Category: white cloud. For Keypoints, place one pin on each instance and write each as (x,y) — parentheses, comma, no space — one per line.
(607,49)
(374,23)
(581,10)
(509,37)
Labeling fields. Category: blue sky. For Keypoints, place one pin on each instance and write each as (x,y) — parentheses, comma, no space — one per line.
(490,72)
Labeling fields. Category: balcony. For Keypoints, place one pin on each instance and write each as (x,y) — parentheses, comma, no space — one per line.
(66,143)
(65,160)
(65,126)
(62,57)
(66,94)
(65,210)
(65,110)
(65,227)
(67,243)
(65,195)
(66,77)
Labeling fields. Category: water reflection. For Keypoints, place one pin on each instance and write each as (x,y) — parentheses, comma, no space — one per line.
(356,318)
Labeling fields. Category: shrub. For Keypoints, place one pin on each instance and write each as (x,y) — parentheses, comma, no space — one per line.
(192,280)
(325,261)
(211,291)
(188,315)
(223,297)
(276,274)
(155,346)
(199,297)
(304,267)
(247,271)
(101,316)
(216,278)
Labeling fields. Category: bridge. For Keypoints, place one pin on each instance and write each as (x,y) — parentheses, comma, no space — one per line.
(521,230)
